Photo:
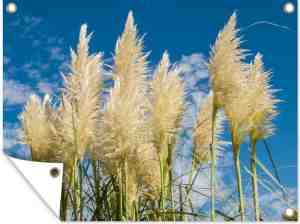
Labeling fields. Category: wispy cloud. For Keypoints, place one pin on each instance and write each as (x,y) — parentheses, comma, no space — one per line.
(56,53)
(46,87)
(25,24)
(274,204)
(35,71)
(39,70)
(35,65)
(6,60)
(194,65)
(11,133)
(15,93)
(31,70)
(194,75)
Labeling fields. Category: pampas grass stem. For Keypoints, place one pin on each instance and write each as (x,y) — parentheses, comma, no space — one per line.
(237,167)
(162,182)
(213,167)
(97,188)
(254,181)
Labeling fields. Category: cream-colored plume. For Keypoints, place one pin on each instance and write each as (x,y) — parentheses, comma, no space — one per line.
(261,100)
(148,168)
(228,75)
(131,64)
(38,131)
(167,103)
(80,99)
(125,121)
(225,64)
(203,132)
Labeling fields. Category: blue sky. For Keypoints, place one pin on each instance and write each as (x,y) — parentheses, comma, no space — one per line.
(38,37)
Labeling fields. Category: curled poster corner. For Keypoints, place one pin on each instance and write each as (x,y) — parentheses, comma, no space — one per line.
(39,175)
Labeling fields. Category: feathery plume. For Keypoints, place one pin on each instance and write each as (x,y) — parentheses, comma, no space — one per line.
(144,176)
(203,131)
(225,64)
(228,78)
(131,64)
(261,99)
(167,103)
(125,123)
(237,111)
(81,98)
(120,126)
(38,130)
(148,169)
(166,114)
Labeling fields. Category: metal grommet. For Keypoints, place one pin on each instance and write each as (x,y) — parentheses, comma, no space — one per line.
(54,172)
(11,8)
(290,214)
(288,7)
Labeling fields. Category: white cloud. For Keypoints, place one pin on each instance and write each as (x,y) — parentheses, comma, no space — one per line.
(30,23)
(194,67)
(274,204)
(37,65)
(32,73)
(12,145)
(195,76)
(11,135)
(33,21)
(56,53)
(6,60)
(15,93)
(46,87)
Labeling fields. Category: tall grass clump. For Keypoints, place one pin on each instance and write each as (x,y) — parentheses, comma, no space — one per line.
(119,151)
(167,110)
(263,110)
(125,143)
(227,75)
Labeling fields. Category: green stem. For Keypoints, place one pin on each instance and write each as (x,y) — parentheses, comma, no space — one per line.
(64,202)
(213,168)
(162,198)
(190,180)
(75,163)
(172,206)
(120,193)
(126,204)
(236,150)
(181,204)
(73,185)
(135,212)
(212,185)
(97,189)
(80,184)
(170,180)
(254,181)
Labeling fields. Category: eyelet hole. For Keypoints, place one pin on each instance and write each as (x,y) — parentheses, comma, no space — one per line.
(54,172)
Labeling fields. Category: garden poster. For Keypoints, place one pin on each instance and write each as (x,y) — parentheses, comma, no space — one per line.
(154,110)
